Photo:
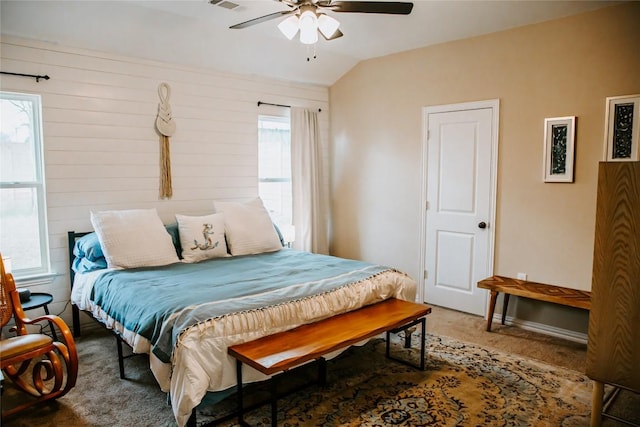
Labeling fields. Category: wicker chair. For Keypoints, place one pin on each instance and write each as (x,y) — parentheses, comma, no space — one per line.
(54,365)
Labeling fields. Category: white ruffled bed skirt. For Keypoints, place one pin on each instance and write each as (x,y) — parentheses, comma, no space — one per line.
(200,362)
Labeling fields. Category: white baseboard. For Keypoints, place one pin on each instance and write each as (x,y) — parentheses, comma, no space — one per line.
(566,334)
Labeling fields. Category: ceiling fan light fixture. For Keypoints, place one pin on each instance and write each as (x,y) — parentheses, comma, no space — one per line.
(327,25)
(308,36)
(289,27)
(308,23)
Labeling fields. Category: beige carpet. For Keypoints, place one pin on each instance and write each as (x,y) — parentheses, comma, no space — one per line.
(402,395)
(463,385)
(531,345)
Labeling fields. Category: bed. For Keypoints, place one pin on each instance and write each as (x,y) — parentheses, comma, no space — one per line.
(185,314)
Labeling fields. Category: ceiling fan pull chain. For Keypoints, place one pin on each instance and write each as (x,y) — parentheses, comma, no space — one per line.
(314,52)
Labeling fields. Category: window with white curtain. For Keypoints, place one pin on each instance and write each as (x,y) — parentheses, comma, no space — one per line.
(23,224)
(274,170)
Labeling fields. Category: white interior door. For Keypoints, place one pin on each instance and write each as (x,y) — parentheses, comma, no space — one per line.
(460,204)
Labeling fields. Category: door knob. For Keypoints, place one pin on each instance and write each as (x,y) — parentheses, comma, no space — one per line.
(482,225)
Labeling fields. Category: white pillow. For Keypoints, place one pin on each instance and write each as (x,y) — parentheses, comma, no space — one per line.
(202,237)
(133,238)
(248,227)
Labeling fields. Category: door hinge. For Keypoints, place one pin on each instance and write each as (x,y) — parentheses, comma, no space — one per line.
(425,274)
(426,205)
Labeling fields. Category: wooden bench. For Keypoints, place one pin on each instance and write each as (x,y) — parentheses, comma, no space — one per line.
(533,290)
(285,350)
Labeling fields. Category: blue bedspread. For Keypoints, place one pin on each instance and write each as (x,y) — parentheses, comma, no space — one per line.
(158,303)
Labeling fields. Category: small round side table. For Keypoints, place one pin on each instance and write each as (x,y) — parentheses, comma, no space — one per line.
(37,300)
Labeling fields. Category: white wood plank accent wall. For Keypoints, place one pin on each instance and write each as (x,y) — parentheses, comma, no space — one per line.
(101,148)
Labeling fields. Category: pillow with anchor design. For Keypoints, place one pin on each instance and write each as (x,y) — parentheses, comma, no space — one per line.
(202,237)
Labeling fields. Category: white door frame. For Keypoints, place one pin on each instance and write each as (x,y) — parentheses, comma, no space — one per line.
(494,104)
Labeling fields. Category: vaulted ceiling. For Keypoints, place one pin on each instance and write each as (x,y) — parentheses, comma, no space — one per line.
(196,33)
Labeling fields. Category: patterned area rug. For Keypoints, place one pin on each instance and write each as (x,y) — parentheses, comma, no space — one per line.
(463,385)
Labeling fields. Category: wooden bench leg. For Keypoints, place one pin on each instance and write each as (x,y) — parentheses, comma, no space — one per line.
(596,404)
(239,396)
(322,372)
(423,322)
(504,307)
(423,343)
(274,401)
(492,308)
(407,337)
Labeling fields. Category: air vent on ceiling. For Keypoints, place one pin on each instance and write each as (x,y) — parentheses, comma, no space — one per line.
(226,4)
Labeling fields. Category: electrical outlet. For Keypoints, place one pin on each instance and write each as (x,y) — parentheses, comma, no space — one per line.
(522,276)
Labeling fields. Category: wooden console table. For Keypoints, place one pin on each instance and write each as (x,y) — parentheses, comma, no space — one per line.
(533,290)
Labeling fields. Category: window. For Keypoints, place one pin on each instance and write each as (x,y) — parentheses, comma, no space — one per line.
(23,225)
(274,171)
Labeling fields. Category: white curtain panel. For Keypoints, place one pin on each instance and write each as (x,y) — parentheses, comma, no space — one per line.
(309,201)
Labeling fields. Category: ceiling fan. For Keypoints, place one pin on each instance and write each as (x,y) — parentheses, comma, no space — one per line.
(309,17)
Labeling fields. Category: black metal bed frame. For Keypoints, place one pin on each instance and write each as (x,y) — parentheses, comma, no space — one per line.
(72,236)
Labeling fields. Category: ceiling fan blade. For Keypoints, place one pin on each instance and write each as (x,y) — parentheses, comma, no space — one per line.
(335,35)
(290,3)
(261,19)
(388,7)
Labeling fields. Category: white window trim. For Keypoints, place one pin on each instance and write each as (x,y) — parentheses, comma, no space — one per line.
(43,279)
(41,192)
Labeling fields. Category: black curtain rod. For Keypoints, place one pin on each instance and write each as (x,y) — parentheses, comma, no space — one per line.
(27,75)
(280,105)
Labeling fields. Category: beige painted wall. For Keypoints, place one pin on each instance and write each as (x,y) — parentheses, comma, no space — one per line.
(564,67)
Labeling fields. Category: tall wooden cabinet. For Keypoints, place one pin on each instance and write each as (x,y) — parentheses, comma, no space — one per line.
(613,351)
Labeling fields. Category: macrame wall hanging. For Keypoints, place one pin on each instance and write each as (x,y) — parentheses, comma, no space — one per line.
(166,127)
